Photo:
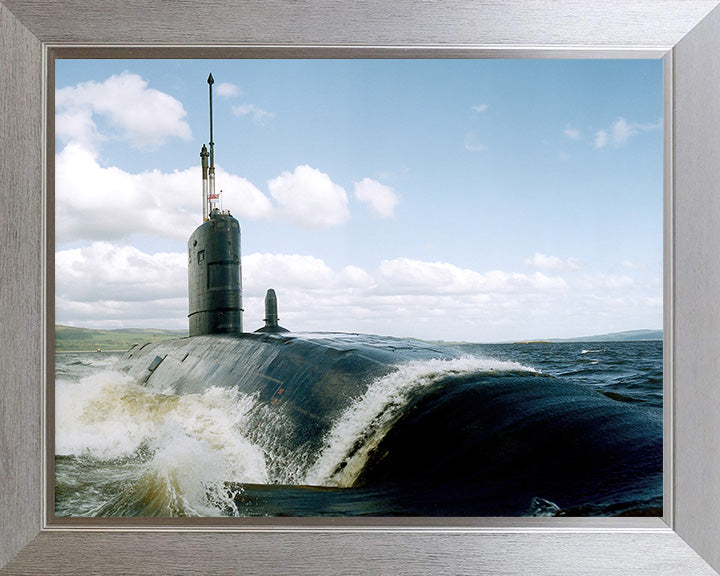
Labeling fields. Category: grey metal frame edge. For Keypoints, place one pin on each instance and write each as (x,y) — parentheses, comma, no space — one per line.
(686,33)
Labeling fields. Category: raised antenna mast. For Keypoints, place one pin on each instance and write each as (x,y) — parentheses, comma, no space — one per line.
(212,197)
(211,81)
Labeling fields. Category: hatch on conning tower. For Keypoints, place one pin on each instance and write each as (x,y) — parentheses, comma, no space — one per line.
(214,265)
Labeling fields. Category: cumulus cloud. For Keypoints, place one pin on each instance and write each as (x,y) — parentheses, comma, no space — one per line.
(258,115)
(227,90)
(355,278)
(309,198)
(380,199)
(621,131)
(120,286)
(543,262)
(95,202)
(134,112)
(410,276)
(119,273)
(292,270)
(107,203)
(167,313)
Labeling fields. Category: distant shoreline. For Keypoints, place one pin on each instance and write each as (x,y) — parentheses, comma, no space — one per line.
(120,350)
(72,339)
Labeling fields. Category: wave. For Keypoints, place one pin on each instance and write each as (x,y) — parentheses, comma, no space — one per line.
(332,424)
(188,446)
(361,427)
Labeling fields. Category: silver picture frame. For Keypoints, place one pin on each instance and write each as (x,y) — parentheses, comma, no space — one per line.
(685,33)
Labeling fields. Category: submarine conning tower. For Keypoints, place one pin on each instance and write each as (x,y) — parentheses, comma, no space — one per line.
(214,276)
(214,267)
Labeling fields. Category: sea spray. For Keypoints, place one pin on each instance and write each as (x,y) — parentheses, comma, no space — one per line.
(106,416)
(362,426)
(191,445)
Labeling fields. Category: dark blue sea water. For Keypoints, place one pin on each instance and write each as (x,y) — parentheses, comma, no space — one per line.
(532,429)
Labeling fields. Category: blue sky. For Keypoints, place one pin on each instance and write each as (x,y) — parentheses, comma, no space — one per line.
(478,200)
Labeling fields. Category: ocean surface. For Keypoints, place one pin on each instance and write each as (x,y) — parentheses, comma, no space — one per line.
(531,429)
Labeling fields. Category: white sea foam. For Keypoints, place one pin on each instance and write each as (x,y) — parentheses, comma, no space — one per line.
(193,443)
(102,361)
(96,416)
(541,507)
(366,421)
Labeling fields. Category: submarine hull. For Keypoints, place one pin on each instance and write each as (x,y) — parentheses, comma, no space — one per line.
(451,440)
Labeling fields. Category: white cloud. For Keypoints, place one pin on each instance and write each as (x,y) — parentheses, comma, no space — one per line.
(262,271)
(602,282)
(258,115)
(616,282)
(106,203)
(94,202)
(355,278)
(242,198)
(472,144)
(168,313)
(621,131)
(380,199)
(119,273)
(572,133)
(554,263)
(309,198)
(601,139)
(108,286)
(407,275)
(143,116)
(227,90)
(480,108)
(401,296)
(630,265)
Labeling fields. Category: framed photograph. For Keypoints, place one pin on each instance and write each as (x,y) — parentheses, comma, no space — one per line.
(465,251)
(678,518)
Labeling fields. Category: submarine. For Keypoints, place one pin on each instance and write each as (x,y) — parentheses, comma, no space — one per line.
(451,435)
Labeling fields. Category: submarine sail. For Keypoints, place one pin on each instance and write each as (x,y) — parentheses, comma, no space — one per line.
(214,265)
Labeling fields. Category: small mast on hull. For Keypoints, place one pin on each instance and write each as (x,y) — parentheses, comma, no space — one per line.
(271,314)
(214,265)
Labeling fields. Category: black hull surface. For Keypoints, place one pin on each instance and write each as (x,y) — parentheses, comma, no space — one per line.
(478,441)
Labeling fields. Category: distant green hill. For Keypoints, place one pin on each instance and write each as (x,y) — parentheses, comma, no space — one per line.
(630,335)
(71,339)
